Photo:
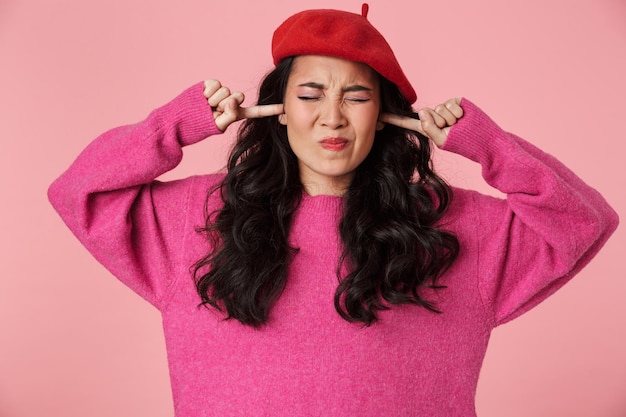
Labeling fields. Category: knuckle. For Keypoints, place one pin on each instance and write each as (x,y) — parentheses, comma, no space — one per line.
(213,85)
(210,86)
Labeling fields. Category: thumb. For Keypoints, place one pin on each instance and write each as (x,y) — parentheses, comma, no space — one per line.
(228,115)
(430,128)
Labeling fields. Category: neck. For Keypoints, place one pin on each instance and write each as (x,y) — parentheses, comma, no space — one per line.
(325,185)
(315,189)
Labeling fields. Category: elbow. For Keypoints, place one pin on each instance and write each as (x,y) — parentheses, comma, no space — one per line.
(55,195)
(64,199)
(611,221)
(605,223)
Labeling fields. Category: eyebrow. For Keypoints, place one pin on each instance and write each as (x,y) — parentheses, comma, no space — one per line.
(350,88)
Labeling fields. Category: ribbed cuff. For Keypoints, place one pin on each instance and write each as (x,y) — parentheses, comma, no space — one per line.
(190,115)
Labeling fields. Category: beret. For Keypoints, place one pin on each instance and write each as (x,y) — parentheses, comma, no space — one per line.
(343,35)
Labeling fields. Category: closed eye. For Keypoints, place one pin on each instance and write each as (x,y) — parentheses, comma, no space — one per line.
(357,99)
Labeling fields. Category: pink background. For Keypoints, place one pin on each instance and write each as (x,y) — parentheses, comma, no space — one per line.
(75,342)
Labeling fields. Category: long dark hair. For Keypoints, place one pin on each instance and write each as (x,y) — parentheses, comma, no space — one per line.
(392,245)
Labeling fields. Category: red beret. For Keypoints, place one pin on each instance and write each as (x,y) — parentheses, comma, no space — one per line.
(343,35)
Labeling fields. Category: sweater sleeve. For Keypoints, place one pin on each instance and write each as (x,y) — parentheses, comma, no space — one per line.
(109,198)
(549,226)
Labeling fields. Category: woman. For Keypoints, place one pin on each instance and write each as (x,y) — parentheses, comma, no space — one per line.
(329,271)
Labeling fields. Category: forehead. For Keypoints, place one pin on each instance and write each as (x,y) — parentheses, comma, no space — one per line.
(332,70)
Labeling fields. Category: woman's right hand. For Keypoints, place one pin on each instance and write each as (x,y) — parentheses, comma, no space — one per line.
(227,108)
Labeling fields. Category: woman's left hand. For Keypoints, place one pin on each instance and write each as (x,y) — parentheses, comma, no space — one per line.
(433,123)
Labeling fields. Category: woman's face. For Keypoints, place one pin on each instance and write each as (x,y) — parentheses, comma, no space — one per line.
(331,110)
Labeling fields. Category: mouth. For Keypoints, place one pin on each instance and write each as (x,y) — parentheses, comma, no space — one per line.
(334,143)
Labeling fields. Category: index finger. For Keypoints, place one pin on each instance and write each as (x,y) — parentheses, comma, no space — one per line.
(402,121)
(256,112)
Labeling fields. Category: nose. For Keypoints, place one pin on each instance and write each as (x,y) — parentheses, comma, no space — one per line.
(332,114)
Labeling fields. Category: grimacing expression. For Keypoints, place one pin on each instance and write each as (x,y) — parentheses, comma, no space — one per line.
(331,109)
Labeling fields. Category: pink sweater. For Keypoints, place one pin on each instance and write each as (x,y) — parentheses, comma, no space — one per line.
(308,361)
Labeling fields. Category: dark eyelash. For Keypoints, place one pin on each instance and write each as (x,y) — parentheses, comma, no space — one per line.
(355,100)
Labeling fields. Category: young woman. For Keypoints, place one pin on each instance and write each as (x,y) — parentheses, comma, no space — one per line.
(329,271)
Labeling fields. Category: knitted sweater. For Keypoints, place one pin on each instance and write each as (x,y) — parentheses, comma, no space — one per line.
(307,361)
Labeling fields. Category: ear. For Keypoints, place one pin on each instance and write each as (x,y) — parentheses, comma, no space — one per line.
(379,125)
(282,119)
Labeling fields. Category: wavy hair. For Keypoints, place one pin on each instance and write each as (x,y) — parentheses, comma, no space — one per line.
(391,243)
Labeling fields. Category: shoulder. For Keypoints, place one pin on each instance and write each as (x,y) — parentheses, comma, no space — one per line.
(206,186)
(195,190)
(467,204)
(470,213)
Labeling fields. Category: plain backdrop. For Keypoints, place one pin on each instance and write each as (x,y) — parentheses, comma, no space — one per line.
(75,342)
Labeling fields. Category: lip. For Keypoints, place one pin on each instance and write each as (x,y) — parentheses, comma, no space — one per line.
(334,143)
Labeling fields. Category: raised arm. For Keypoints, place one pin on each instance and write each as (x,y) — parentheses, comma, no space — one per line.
(549,226)
(109,198)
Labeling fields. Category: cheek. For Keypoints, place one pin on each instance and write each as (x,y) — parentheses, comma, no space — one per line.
(365,147)
(296,110)
(367,124)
